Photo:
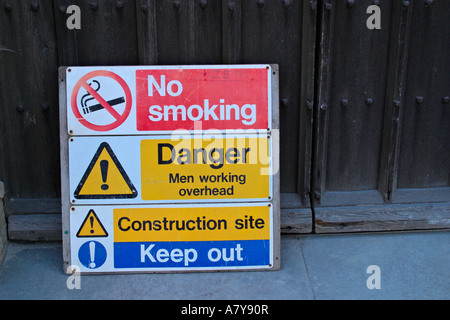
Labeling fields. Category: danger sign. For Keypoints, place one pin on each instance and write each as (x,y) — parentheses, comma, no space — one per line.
(140,100)
(159,169)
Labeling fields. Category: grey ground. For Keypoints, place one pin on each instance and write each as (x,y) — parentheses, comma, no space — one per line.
(413,265)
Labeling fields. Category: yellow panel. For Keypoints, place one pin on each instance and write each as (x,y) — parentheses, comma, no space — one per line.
(192,224)
(192,169)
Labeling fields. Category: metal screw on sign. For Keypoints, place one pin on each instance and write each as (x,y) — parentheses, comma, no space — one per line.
(428,3)
(177,4)
(406,4)
(231,6)
(8,7)
(350,3)
(203,4)
(446,100)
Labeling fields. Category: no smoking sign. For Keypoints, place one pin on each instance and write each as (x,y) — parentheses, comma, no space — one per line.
(142,100)
(101,100)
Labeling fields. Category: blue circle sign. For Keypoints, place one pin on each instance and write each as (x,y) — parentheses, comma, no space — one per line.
(92,254)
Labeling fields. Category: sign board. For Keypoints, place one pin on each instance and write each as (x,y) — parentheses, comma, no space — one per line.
(170,168)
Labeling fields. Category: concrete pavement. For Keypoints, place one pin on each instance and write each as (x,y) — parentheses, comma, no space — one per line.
(412,265)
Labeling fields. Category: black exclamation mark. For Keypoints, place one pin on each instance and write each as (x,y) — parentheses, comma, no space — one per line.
(91,220)
(104,168)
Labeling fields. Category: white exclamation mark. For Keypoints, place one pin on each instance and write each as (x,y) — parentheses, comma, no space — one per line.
(92,254)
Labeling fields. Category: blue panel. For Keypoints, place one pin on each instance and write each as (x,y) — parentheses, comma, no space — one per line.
(191,254)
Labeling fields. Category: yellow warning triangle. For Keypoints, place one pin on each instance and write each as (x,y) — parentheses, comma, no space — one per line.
(105,178)
(91,227)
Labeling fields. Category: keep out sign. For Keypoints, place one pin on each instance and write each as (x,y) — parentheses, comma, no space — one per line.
(174,238)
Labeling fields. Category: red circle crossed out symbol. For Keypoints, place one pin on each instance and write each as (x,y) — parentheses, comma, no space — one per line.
(119,118)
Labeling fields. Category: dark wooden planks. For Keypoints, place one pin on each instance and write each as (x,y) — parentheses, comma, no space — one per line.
(36,227)
(147,32)
(394,149)
(424,160)
(381,164)
(307,100)
(231,31)
(28,103)
(358,76)
(19,206)
(382,218)
(189,33)
(271,33)
(108,34)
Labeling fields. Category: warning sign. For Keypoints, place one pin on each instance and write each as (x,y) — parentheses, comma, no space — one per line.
(177,238)
(105,178)
(160,169)
(138,100)
(92,227)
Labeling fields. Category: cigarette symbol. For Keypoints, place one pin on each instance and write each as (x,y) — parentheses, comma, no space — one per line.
(88,97)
